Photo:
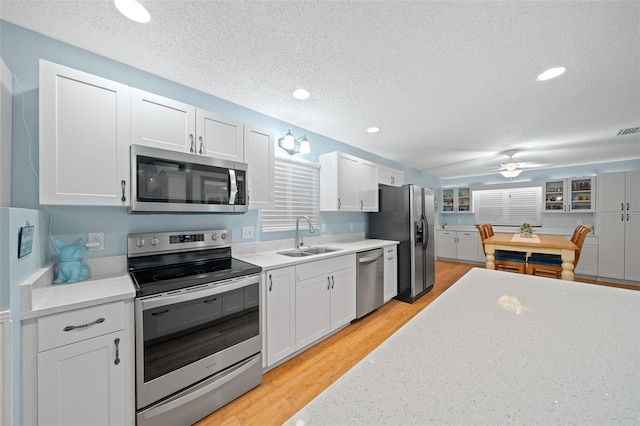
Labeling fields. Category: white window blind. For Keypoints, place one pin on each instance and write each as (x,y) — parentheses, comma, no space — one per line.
(508,206)
(296,189)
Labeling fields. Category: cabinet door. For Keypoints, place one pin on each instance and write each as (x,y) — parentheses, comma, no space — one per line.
(348,183)
(588,262)
(446,246)
(611,192)
(467,246)
(390,275)
(258,154)
(219,137)
(554,196)
(84,138)
(162,122)
(368,187)
(463,200)
(581,194)
(632,227)
(447,201)
(611,241)
(312,309)
(83,383)
(280,307)
(343,297)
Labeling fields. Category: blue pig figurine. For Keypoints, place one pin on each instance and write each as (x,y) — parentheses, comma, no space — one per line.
(71,268)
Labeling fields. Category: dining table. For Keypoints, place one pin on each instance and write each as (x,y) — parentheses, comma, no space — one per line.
(538,243)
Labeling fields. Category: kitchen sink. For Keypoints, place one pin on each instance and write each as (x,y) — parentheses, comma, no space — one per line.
(309,251)
(319,250)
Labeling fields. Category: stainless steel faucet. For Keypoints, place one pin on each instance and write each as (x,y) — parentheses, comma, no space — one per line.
(299,241)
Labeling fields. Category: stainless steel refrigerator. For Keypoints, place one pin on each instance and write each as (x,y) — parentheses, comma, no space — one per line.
(406,214)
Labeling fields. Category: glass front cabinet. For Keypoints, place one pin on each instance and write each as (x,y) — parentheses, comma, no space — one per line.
(569,195)
(455,200)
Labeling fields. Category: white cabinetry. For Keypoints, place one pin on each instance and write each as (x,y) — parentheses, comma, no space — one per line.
(166,123)
(6,87)
(459,245)
(569,195)
(325,297)
(588,263)
(455,200)
(85,371)
(618,226)
(390,273)
(348,183)
(84,138)
(388,176)
(280,307)
(258,154)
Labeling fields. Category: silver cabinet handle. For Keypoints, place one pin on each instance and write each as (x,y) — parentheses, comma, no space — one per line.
(123,183)
(622,217)
(202,150)
(361,205)
(328,283)
(270,282)
(621,206)
(192,149)
(117,342)
(339,203)
(627,206)
(333,282)
(73,327)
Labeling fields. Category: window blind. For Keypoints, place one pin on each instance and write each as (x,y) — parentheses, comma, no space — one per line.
(296,193)
(508,206)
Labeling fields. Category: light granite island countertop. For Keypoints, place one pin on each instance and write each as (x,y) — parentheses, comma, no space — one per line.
(499,348)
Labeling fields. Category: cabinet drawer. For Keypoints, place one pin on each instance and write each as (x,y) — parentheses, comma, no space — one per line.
(86,323)
(390,251)
(325,266)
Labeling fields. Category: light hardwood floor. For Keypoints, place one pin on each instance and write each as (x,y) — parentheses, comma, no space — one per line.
(290,386)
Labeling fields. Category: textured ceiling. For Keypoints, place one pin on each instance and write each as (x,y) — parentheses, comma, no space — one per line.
(452,84)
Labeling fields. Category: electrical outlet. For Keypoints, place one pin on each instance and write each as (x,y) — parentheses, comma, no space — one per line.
(579,222)
(323,227)
(95,241)
(247,232)
(350,226)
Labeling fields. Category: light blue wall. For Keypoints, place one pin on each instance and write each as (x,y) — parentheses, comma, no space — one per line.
(21,50)
(552,220)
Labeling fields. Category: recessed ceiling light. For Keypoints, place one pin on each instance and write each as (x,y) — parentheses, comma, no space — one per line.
(373,129)
(301,94)
(133,10)
(551,73)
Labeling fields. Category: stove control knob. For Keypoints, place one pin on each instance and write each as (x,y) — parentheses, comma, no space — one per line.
(154,241)
(224,236)
(214,237)
(140,242)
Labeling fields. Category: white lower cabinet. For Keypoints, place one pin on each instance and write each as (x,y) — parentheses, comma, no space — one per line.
(280,314)
(85,366)
(325,297)
(459,245)
(390,273)
(307,302)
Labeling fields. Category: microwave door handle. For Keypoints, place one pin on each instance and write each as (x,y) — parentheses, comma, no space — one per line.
(233,187)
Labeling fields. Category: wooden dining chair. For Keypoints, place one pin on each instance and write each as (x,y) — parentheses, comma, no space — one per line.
(503,260)
(551,264)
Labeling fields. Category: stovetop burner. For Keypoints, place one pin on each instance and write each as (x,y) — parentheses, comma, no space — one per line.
(184,260)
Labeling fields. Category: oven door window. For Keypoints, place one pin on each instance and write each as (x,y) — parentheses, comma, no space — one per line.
(179,334)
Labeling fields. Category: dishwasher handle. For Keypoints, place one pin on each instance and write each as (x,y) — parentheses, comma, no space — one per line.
(368,259)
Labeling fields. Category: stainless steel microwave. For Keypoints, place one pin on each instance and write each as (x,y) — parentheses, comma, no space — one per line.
(165,181)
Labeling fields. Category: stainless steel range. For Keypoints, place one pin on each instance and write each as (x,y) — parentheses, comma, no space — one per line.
(197,319)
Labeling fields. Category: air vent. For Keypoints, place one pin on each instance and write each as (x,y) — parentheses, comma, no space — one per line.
(629,131)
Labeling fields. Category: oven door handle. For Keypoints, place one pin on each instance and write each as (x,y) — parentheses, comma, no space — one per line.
(153,412)
(197,293)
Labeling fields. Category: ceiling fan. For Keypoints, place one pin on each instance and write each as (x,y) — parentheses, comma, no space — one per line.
(512,167)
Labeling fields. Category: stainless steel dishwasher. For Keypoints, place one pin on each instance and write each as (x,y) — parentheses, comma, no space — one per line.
(370,285)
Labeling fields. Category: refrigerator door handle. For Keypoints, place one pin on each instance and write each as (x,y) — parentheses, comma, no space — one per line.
(425,232)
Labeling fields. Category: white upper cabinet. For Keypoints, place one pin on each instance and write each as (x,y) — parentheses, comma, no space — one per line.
(388,176)
(348,183)
(569,195)
(455,200)
(258,154)
(169,124)
(84,138)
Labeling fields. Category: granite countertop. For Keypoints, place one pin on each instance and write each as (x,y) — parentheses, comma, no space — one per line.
(271,259)
(499,348)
